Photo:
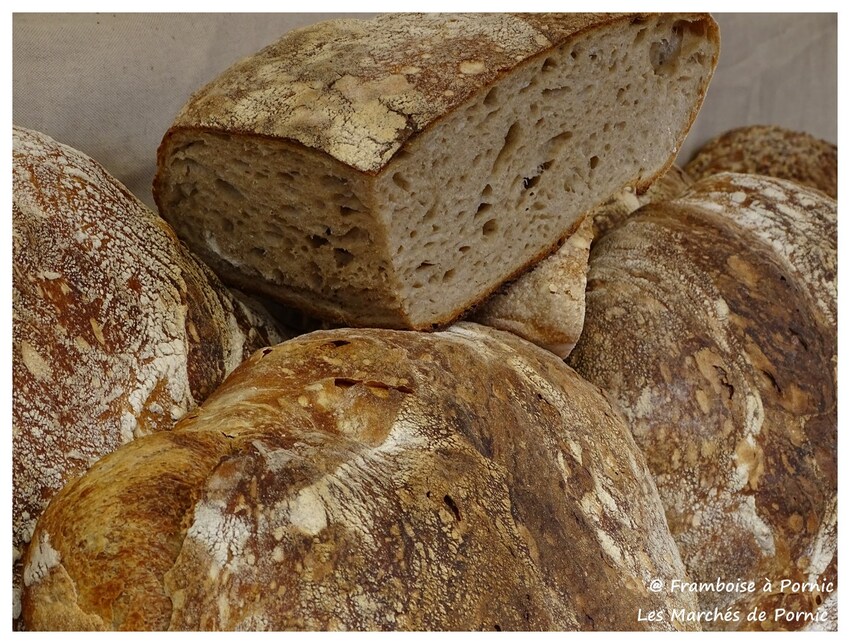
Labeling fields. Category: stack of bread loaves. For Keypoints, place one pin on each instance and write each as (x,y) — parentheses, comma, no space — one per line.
(394,173)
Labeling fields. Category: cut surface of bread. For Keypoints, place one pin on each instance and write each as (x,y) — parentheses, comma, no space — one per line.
(395,172)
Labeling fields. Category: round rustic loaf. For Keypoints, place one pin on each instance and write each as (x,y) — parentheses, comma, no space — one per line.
(712,320)
(117,330)
(773,151)
(368,479)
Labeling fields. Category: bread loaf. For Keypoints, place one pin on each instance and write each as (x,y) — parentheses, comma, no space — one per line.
(546,305)
(773,151)
(712,320)
(368,479)
(117,330)
(394,172)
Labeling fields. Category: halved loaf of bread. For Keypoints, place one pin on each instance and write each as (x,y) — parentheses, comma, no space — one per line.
(394,172)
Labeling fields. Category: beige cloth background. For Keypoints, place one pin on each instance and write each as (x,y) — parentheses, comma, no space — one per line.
(110,84)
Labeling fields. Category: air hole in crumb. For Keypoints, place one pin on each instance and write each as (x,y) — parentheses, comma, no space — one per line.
(344,211)
(594,161)
(513,138)
(488,191)
(549,64)
(400,181)
(463,249)
(228,188)
(483,207)
(448,275)
(356,235)
(663,53)
(529,182)
(490,226)
(424,266)
(317,241)
(558,141)
(342,257)
(492,97)
(260,252)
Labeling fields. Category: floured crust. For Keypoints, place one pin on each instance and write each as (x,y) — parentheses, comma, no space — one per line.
(773,151)
(711,319)
(117,329)
(369,479)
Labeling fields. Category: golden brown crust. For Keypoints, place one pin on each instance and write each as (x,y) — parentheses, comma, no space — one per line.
(711,319)
(344,480)
(117,329)
(773,151)
(358,89)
